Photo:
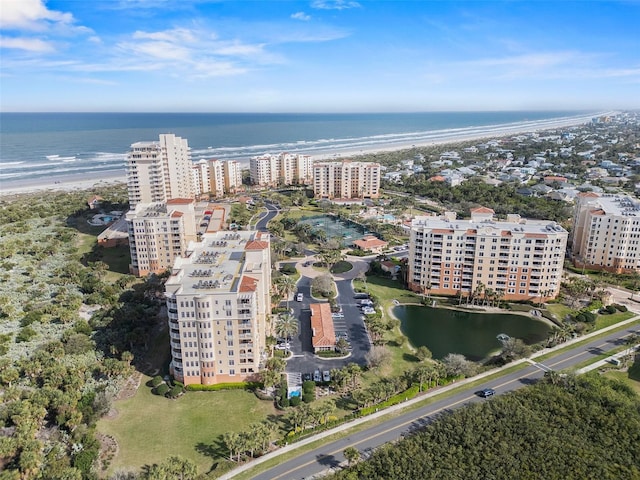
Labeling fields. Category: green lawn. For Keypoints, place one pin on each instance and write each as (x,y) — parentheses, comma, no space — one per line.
(559,310)
(626,377)
(341,267)
(387,290)
(149,428)
(603,321)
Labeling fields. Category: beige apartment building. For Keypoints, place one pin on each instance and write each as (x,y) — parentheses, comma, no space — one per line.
(232,172)
(519,258)
(606,232)
(217,177)
(281,169)
(159,233)
(158,171)
(218,299)
(346,179)
(200,171)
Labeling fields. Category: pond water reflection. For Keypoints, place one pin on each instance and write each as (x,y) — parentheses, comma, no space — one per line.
(472,334)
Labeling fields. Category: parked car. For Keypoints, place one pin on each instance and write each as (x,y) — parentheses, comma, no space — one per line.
(306,377)
(326,376)
(299,297)
(283,346)
(316,376)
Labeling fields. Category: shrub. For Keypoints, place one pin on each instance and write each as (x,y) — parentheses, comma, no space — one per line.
(288,269)
(308,386)
(157,380)
(161,389)
(294,401)
(308,397)
(610,309)
(621,308)
(262,396)
(176,391)
(25,334)
(284,403)
(223,386)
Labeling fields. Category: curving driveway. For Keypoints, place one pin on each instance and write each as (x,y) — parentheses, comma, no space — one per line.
(303,359)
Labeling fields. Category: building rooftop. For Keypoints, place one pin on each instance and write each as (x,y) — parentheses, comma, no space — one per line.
(525,227)
(620,205)
(369,242)
(322,326)
(218,263)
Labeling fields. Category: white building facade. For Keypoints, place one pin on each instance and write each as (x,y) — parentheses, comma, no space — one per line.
(158,171)
(281,169)
(159,233)
(218,299)
(606,232)
(346,179)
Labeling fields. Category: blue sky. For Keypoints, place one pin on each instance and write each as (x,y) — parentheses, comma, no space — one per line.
(318,55)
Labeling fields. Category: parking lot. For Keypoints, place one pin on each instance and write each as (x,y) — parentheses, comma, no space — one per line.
(348,323)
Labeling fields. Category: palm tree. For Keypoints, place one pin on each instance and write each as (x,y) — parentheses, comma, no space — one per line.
(286,326)
(285,286)
(352,455)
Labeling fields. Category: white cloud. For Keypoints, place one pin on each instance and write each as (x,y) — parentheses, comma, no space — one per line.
(28,44)
(30,15)
(239,49)
(334,4)
(529,61)
(301,16)
(174,35)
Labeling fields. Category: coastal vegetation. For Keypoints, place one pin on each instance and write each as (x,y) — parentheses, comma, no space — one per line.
(72,330)
(583,427)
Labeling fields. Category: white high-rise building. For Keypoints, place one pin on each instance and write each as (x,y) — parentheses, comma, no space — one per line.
(159,171)
(232,176)
(159,233)
(218,299)
(281,169)
(200,172)
(216,178)
(516,259)
(606,232)
(346,179)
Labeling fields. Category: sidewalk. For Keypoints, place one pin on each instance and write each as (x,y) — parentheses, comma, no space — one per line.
(416,400)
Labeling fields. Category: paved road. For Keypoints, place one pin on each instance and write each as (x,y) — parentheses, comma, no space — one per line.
(264,218)
(330,455)
(303,360)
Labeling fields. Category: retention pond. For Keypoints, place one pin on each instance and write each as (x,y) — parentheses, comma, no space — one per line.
(472,334)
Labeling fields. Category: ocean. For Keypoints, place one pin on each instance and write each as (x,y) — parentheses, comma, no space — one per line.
(54,145)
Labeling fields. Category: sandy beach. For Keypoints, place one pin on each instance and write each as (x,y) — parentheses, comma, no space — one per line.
(87,181)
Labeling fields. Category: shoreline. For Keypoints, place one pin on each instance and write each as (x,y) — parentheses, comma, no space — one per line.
(88,180)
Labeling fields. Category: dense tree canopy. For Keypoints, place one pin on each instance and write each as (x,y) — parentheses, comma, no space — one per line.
(503,199)
(578,428)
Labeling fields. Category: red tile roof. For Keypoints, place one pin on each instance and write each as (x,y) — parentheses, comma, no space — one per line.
(369,242)
(180,201)
(256,245)
(248,284)
(482,210)
(322,325)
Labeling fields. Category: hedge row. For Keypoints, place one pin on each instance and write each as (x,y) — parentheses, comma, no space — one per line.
(223,386)
(394,400)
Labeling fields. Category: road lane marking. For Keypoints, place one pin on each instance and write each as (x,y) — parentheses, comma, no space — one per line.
(435,412)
